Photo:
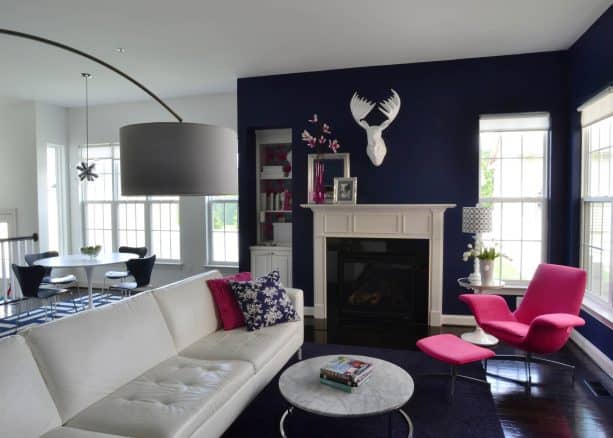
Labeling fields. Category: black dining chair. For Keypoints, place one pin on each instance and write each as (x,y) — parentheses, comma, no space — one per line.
(65,281)
(30,279)
(140,251)
(141,270)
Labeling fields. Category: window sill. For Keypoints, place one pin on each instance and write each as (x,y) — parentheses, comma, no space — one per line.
(599,310)
(218,266)
(513,289)
(169,263)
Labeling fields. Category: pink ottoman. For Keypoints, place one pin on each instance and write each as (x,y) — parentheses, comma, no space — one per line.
(454,351)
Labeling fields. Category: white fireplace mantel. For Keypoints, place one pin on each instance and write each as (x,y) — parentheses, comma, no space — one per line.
(387,221)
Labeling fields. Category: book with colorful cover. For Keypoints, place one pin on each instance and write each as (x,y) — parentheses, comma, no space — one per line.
(338,385)
(349,383)
(346,369)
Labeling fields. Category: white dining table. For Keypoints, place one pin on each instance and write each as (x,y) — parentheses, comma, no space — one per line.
(86,262)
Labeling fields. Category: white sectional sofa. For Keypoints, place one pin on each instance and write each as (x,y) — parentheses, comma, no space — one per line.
(156,365)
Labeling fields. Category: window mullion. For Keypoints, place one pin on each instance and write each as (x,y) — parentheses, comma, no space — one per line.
(84,219)
(211,226)
(114,224)
(521,211)
(148,232)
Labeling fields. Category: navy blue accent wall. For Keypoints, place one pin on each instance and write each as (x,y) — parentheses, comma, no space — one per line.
(432,145)
(590,71)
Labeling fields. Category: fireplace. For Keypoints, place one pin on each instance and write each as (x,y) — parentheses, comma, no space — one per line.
(379,221)
(377,280)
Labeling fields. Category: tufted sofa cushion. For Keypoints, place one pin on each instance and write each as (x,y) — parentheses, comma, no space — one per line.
(189,309)
(90,355)
(23,391)
(170,400)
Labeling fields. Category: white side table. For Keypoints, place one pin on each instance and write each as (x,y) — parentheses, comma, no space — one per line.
(478,336)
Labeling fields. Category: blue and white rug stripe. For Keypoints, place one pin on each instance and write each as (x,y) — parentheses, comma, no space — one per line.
(38,315)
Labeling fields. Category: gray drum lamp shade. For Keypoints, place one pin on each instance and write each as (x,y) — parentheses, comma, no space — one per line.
(177,158)
(476,220)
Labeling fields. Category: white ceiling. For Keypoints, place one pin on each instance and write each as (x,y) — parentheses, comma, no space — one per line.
(186,47)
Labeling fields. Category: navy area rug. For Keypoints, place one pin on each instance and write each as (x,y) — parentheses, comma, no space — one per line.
(472,414)
(38,315)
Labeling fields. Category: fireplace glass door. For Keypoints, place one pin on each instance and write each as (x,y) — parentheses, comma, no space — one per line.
(377,279)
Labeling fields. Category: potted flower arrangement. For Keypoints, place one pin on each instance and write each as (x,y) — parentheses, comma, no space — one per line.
(320,138)
(486,256)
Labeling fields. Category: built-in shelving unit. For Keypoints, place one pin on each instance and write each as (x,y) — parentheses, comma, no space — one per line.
(274,204)
(274,186)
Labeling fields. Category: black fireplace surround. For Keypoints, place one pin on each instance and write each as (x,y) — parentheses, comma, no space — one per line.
(370,280)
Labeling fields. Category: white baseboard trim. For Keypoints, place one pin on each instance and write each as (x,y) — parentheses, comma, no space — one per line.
(601,359)
(461,320)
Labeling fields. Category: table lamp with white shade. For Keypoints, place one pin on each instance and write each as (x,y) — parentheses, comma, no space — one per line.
(476,220)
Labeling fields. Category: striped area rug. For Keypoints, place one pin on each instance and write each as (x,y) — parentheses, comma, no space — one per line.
(15,323)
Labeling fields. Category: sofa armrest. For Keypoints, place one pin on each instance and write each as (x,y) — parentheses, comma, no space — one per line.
(558,320)
(296,295)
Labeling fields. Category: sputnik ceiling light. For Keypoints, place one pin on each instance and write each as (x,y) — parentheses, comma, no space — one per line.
(168,158)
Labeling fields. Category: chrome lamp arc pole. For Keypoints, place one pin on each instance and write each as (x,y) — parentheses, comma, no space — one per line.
(62,46)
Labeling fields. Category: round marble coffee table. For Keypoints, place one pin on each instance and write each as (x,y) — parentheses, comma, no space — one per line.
(389,388)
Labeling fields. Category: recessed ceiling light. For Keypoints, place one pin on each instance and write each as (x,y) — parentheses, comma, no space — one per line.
(120,50)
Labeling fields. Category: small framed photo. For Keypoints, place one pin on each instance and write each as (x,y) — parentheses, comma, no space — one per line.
(345,190)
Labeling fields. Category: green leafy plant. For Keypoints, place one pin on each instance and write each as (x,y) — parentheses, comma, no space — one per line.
(489,254)
(482,253)
(91,250)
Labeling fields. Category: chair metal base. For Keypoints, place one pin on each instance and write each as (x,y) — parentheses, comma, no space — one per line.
(528,359)
(453,376)
(49,313)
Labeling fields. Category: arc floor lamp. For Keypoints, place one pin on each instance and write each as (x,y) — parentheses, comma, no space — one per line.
(168,158)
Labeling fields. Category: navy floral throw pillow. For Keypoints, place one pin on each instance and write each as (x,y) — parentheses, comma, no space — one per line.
(263,301)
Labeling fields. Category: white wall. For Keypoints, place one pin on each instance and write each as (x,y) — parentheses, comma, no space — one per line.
(18,162)
(104,124)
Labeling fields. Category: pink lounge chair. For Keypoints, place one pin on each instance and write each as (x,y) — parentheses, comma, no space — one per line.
(543,321)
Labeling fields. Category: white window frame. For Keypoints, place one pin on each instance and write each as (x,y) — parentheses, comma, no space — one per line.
(544,199)
(210,202)
(147,201)
(61,193)
(7,216)
(597,109)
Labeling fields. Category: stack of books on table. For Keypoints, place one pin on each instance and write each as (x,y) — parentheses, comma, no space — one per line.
(345,373)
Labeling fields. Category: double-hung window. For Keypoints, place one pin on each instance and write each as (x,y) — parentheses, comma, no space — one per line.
(113,220)
(513,153)
(222,230)
(597,199)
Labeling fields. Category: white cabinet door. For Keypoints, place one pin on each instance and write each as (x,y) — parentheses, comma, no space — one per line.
(264,260)
(282,263)
(260,263)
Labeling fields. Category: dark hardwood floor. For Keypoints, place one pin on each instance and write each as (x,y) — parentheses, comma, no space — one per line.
(554,407)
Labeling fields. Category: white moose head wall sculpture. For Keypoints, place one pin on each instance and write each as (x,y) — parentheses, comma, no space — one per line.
(360,108)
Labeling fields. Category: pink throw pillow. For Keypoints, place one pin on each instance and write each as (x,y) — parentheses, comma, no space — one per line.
(227,306)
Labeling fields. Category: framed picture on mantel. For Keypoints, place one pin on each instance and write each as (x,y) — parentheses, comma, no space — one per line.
(345,190)
(335,165)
